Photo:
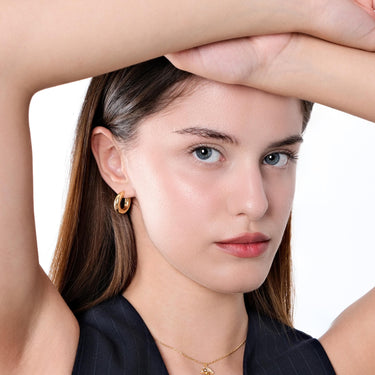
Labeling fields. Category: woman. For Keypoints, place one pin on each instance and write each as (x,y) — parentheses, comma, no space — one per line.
(180,152)
(32,309)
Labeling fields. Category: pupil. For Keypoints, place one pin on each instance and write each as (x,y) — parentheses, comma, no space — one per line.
(204,153)
(273,158)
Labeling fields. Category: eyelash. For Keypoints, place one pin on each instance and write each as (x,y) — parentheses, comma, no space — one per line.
(197,147)
(291,155)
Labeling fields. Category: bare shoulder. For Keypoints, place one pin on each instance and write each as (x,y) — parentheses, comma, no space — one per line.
(51,344)
(350,341)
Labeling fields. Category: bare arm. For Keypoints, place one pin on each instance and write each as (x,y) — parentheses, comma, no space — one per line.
(292,65)
(45,43)
(351,339)
(34,321)
(339,77)
(53,42)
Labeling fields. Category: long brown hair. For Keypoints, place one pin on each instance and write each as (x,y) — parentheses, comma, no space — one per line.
(96,256)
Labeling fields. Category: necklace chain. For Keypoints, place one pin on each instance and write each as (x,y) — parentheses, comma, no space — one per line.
(205,364)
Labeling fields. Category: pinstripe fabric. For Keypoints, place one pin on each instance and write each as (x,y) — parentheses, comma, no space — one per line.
(114,340)
(275,349)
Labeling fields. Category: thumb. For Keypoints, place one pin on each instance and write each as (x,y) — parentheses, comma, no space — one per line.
(229,61)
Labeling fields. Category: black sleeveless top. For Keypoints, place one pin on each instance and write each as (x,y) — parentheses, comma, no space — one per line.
(114,340)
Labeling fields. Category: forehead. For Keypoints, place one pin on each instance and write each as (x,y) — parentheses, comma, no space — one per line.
(238,110)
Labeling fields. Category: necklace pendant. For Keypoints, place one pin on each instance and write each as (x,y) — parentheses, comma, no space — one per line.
(207,371)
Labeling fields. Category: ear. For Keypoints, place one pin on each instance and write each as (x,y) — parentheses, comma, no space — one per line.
(110,160)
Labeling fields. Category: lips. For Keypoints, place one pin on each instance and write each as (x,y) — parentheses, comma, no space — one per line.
(248,245)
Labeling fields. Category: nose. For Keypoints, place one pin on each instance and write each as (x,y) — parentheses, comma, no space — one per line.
(248,196)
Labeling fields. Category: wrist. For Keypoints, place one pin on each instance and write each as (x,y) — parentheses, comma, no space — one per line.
(323,72)
(280,65)
(273,17)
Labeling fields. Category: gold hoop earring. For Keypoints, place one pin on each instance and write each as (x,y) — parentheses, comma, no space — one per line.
(122,204)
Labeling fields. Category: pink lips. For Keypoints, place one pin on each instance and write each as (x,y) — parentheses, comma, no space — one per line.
(248,245)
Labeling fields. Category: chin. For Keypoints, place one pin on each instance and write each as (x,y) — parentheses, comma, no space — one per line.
(237,285)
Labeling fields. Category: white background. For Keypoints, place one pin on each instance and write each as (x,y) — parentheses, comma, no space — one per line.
(333,226)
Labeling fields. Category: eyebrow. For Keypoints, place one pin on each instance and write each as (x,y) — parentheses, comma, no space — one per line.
(289,141)
(208,133)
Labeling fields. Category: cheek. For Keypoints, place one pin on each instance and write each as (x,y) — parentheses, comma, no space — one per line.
(175,202)
(280,192)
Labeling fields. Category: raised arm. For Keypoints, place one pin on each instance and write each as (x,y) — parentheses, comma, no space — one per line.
(340,77)
(291,65)
(51,42)
(45,43)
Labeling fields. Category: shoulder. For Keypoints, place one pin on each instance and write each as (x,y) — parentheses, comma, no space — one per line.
(350,341)
(279,349)
(100,336)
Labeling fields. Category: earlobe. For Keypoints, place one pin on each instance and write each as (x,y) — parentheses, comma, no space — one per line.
(108,156)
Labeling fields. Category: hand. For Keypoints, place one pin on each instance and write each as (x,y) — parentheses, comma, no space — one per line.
(293,65)
(241,61)
(347,22)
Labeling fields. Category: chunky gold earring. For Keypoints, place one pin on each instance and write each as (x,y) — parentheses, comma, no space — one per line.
(122,204)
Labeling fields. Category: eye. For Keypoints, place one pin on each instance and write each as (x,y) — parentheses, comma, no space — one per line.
(278,159)
(207,154)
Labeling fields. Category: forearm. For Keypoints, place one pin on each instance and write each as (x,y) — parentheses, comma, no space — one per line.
(336,76)
(45,43)
(51,42)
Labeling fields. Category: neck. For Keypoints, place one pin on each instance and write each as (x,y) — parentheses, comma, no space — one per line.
(183,314)
(200,322)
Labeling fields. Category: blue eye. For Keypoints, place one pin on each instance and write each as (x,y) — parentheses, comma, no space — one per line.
(277,159)
(206,154)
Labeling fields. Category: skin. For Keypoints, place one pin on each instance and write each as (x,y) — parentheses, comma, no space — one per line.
(66,31)
(195,203)
(68,43)
(350,340)
(289,64)
(292,64)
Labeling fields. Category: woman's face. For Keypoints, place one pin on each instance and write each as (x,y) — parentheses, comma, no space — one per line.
(214,178)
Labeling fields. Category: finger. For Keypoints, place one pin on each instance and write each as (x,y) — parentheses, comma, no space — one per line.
(183,59)
(221,61)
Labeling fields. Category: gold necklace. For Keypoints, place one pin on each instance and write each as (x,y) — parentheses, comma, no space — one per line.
(206,370)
